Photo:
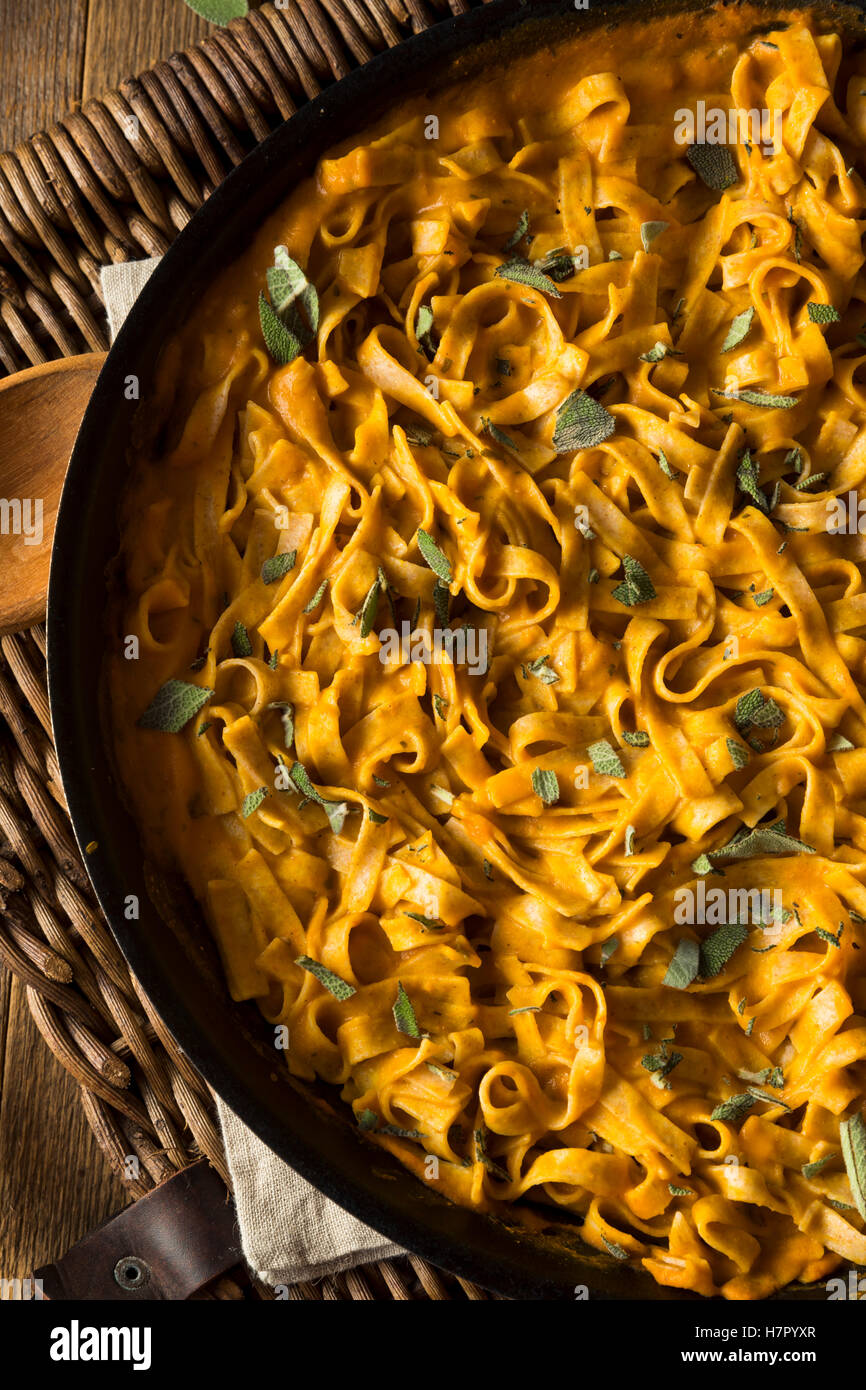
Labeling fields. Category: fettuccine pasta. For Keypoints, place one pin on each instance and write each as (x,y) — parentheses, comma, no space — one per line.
(492,643)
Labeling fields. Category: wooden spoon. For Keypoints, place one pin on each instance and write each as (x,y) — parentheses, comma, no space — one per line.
(40,412)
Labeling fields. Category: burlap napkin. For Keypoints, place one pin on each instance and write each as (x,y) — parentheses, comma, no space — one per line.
(289,1231)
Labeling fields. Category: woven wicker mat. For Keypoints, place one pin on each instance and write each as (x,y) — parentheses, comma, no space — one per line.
(116,181)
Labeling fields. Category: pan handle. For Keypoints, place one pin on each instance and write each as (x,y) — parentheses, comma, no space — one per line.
(165,1246)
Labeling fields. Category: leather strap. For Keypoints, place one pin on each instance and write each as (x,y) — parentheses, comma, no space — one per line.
(166,1245)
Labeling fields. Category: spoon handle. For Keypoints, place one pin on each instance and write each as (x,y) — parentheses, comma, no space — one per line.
(41,409)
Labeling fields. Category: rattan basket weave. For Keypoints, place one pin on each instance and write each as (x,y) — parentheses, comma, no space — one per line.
(116,181)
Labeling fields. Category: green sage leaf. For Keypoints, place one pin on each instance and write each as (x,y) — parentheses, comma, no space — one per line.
(278,566)
(173,706)
(761,398)
(735,1109)
(241,644)
(684,966)
(219,11)
(714,165)
(637,587)
(739,754)
(581,423)
(433,556)
(341,989)
(718,948)
(546,785)
(822,313)
(522,272)
(317,597)
(738,330)
(520,231)
(649,231)
(404,1014)
(605,759)
(252,801)
(336,811)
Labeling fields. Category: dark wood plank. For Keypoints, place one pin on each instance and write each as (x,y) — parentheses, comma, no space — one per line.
(124,39)
(41,63)
(54,53)
(55,1185)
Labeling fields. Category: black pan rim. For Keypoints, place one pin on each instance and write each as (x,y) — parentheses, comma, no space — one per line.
(386,1196)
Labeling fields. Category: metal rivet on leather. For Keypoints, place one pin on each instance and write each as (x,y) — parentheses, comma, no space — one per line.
(132,1273)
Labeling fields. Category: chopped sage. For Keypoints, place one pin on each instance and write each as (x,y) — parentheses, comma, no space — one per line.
(520,231)
(404,1014)
(739,755)
(522,272)
(581,423)
(639,739)
(683,969)
(340,989)
(279,566)
(718,948)
(336,811)
(317,597)
(822,313)
(605,759)
(173,706)
(546,785)
(764,399)
(252,801)
(241,644)
(735,1109)
(649,231)
(714,165)
(738,330)
(637,587)
(433,556)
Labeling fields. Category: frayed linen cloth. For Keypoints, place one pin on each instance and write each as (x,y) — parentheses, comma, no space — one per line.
(121,285)
(289,1231)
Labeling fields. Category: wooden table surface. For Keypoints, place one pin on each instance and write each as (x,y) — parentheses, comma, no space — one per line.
(55,1185)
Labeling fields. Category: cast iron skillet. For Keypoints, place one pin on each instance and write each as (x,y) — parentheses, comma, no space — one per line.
(228,1043)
